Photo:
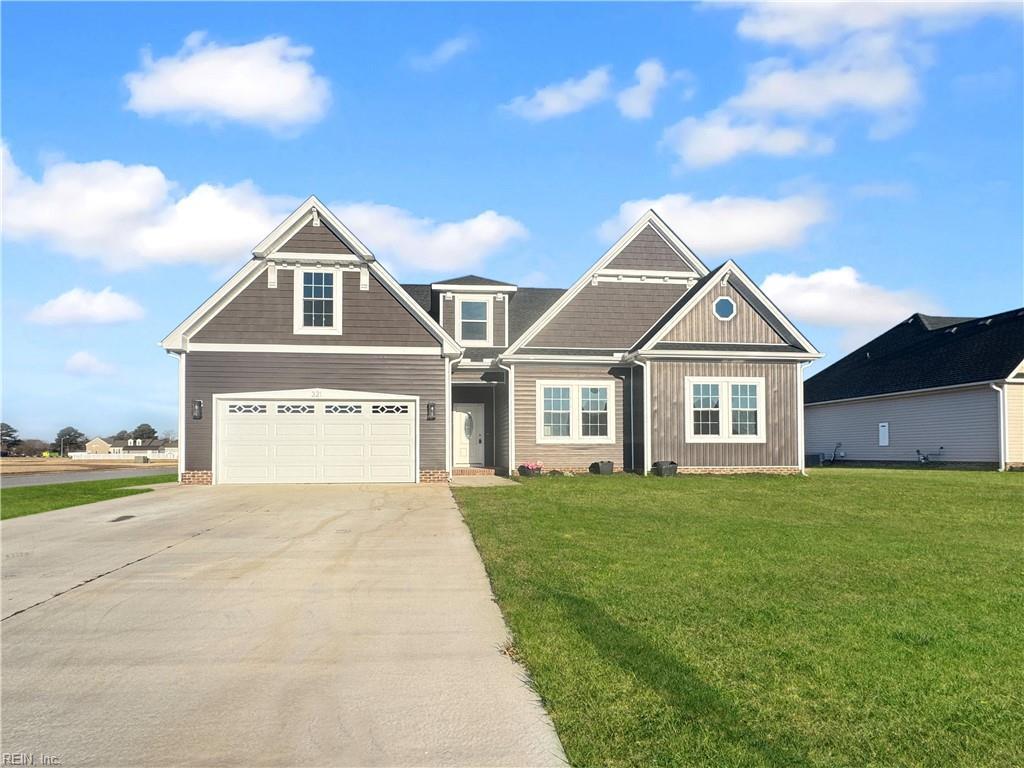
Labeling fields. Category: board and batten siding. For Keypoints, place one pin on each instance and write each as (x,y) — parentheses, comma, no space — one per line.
(564,455)
(668,415)
(1015,423)
(964,422)
(701,325)
(210,373)
(608,315)
(263,315)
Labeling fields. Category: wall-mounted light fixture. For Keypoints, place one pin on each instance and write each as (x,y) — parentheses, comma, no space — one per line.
(431,411)
(197,409)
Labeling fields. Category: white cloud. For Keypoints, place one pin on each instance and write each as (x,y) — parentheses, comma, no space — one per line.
(726,226)
(131,216)
(396,235)
(87,364)
(269,83)
(812,25)
(79,306)
(719,137)
(840,298)
(443,53)
(563,98)
(637,101)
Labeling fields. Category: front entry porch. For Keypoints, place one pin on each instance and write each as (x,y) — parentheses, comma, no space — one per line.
(473,428)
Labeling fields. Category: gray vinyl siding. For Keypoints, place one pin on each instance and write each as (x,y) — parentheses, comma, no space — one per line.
(608,315)
(700,323)
(209,373)
(648,250)
(484,394)
(965,422)
(564,455)
(501,426)
(312,239)
(668,415)
(262,315)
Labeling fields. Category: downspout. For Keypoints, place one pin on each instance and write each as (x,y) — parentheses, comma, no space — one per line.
(632,419)
(1002,425)
(801,438)
(510,385)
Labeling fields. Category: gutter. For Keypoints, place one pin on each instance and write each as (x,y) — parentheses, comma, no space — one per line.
(1002,425)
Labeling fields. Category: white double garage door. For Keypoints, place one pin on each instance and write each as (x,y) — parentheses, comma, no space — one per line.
(315,436)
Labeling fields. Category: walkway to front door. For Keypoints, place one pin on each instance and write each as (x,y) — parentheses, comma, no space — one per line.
(468,434)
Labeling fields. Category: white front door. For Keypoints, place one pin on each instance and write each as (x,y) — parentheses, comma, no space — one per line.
(468,434)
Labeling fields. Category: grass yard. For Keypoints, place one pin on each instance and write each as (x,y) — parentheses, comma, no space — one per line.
(29,500)
(850,618)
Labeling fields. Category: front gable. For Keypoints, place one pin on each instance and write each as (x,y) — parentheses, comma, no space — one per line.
(701,324)
(650,251)
(315,237)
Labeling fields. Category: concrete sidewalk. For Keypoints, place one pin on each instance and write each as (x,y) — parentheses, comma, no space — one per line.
(253,626)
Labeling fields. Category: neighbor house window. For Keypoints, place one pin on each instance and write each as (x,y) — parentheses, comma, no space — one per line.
(575,412)
(317,301)
(473,321)
(727,409)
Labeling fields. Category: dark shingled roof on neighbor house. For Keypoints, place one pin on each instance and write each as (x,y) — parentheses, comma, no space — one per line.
(924,352)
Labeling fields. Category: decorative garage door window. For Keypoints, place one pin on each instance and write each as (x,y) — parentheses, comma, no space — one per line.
(247,408)
(380,408)
(335,408)
(289,408)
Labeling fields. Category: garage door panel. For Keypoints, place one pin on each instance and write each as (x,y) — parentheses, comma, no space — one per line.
(316,442)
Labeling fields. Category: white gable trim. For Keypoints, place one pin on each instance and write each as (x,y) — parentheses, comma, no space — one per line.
(311,208)
(648,218)
(730,270)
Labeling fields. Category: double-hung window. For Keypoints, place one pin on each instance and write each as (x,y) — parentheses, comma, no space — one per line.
(317,301)
(575,412)
(724,410)
(473,321)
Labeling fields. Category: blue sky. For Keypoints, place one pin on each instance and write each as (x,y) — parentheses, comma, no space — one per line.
(860,162)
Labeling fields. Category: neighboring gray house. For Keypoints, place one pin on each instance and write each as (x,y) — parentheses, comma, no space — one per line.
(947,389)
(313,364)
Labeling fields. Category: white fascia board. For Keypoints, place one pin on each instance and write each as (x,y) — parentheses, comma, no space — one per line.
(648,218)
(314,394)
(704,354)
(299,217)
(176,340)
(573,359)
(456,288)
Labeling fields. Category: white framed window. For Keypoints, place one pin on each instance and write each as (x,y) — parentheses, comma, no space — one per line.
(474,321)
(575,411)
(317,301)
(724,409)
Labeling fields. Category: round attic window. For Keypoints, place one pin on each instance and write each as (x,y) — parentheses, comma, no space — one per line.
(725,308)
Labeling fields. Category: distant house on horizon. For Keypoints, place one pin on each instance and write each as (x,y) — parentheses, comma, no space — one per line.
(132,445)
(943,389)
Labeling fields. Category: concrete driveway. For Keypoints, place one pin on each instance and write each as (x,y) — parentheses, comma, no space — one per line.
(288,625)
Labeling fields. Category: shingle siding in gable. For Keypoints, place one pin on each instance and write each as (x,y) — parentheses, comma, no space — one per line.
(608,315)
(700,323)
(262,315)
(648,250)
(312,239)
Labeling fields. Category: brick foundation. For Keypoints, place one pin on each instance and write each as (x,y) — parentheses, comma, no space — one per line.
(433,476)
(196,477)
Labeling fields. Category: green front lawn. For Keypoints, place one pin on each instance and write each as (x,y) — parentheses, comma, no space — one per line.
(850,618)
(18,502)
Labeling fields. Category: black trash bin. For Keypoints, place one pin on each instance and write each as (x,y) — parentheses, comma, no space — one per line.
(602,467)
(664,468)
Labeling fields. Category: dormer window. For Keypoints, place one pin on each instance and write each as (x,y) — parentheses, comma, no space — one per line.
(474,321)
(317,301)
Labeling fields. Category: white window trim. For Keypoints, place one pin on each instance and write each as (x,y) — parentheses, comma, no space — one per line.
(489,301)
(725,409)
(297,326)
(732,314)
(575,412)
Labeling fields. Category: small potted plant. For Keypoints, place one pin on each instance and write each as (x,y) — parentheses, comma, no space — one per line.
(664,468)
(531,469)
(602,467)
